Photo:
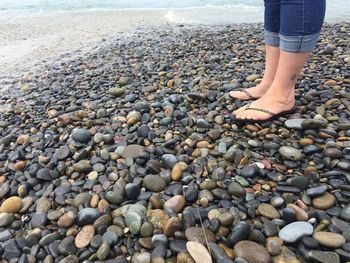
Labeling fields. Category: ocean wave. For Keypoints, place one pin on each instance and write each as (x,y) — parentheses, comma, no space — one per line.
(37,8)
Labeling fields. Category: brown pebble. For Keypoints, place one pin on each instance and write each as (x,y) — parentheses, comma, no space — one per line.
(20,165)
(184,257)
(67,219)
(103,206)
(172,225)
(274,245)
(229,251)
(94,201)
(176,173)
(300,214)
(64,119)
(155,201)
(176,203)
(324,201)
(84,236)
(11,205)
(22,139)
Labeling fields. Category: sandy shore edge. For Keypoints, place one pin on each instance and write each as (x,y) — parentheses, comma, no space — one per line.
(27,41)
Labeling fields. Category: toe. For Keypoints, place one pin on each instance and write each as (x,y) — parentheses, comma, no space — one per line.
(237,95)
(241,109)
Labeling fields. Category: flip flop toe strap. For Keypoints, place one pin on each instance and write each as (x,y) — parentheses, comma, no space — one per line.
(250,96)
(262,110)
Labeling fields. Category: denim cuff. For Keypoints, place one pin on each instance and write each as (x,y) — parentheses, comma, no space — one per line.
(298,43)
(271,38)
(291,43)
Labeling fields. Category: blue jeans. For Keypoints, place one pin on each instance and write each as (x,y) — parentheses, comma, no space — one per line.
(293,25)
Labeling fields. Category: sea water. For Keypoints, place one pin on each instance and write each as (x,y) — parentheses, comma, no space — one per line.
(183,11)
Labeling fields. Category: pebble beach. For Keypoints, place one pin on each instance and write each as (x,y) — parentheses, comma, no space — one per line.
(128,152)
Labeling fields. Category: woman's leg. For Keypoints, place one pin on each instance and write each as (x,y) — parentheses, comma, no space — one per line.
(271,34)
(301,22)
(271,57)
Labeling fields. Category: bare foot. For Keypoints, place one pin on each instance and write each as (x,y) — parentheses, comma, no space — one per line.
(256,92)
(269,102)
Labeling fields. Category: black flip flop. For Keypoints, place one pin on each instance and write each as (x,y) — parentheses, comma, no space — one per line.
(273,115)
(250,96)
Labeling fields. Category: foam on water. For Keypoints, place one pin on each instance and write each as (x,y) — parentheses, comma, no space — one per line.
(183,11)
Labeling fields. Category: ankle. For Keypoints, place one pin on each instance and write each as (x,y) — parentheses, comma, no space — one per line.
(282,96)
(265,83)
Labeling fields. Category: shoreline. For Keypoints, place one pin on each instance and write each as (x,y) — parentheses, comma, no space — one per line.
(27,41)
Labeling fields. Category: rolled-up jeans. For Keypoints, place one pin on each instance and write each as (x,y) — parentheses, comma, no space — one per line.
(293,25)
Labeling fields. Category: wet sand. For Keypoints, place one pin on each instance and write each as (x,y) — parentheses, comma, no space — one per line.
(27,40)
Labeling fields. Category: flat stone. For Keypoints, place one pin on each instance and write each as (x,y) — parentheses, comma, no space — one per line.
(178,245)
(316,191)
(294,123)
(169,160)
(218,254)
(43,204)
(310,242)
(4,189)
(277,201)
(300,214)
(115,197)
(81,135)
(157,218)
(301,182)
(324,202)
(62,153)
(11,249)
(268,211)
(288,189)
(87,216)
(85,236)
(184,257)
(133,222)
(290,153)
(240,232)
(295,231)
(324,256)
(117,92)
(154,183)
(198,252)
(143,257)
(154,166)
(5,235)
(67,246)
(313,124)
(172,225)
(44,174)
(252,77)
(252,252)
(197,234)
(67,219)
(249,171)
(176,203)
(6,219)
(133,151)
(103,251)
(236,189)
(11,205)
(345,213)
(274,245)
(70,259)
(110,237)
(334,153)
(329,239)
(39,219)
